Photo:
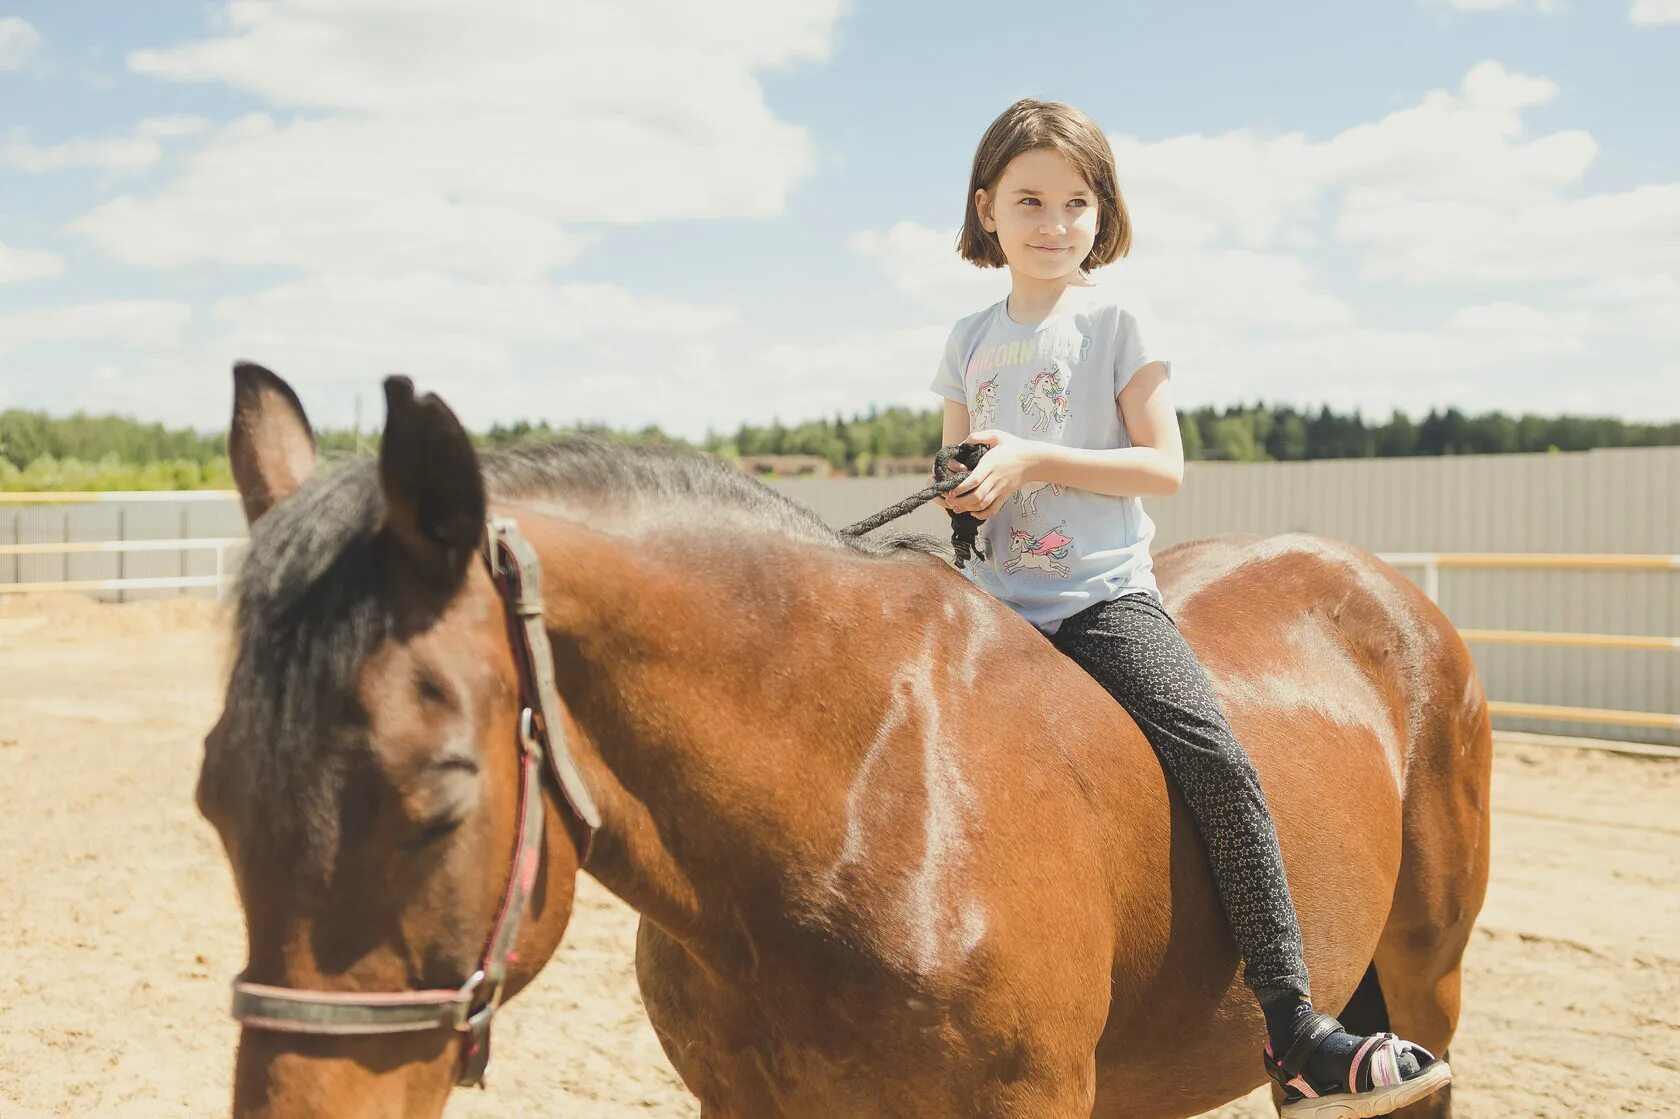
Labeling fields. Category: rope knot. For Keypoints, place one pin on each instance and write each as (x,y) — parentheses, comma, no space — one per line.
(965,527)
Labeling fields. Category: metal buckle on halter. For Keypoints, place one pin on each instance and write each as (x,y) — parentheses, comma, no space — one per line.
(528,740)
(497,529)
(473,1021)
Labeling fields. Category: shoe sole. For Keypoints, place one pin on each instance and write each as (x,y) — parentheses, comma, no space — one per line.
(1366,1105)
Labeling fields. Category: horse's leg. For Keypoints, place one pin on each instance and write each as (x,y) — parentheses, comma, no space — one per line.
(1070,1096)
(685,1020)
(1443,876)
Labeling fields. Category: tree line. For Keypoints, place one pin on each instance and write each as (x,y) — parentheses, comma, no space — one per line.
(1256,433)
(80,452)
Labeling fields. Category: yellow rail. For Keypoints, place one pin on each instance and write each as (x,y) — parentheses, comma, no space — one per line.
(92,497)
(1658,719)
(80,547)
(169,582)
(1590,640)
(1581,560)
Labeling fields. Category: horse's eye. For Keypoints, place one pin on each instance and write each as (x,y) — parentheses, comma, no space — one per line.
(430,688)
(430,833)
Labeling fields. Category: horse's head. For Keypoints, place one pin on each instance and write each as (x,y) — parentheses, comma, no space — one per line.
(365,776)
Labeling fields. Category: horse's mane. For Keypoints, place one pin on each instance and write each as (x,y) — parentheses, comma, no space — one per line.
(312,605)
(648,486)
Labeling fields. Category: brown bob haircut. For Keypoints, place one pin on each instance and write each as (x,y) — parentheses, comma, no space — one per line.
(1027,126)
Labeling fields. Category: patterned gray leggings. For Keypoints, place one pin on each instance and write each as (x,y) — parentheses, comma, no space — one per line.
(1133,648)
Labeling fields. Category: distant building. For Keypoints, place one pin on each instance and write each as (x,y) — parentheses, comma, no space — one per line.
(886,465)
(787,466)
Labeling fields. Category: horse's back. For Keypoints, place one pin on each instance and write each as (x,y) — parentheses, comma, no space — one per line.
(1296,624)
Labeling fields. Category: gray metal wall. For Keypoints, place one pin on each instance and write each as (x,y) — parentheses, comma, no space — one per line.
(1597,501)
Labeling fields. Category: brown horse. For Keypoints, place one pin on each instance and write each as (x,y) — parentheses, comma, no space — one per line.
(893,854)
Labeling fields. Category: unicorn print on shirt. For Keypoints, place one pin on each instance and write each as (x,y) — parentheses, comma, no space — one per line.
(1046,395)
(1026,498)
(984,413)
(1038,553)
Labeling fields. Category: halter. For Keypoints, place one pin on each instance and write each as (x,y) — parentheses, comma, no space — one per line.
(467,1010)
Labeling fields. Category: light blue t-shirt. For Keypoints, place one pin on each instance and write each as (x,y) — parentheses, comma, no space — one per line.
(1052,550)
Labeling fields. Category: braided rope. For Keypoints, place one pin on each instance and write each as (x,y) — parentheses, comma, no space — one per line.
(965,527)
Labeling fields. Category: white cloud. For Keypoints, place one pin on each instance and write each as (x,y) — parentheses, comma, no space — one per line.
(495,351)
(27,264)
(139,150)
(1495,5)
(1449,193)
(1654,11)
(470,138)
(137,323)
(1647,306)
(434,325)
(1259,190)
(424,170)
(923,264)
(18,42)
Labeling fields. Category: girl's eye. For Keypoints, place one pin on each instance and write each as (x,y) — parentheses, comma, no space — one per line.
(1029,201)
(1080,202)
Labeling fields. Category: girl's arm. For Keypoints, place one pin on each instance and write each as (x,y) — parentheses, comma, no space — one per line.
(956,423)
(956,430)
(1153,466)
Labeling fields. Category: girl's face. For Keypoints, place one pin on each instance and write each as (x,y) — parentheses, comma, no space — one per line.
(1044,214)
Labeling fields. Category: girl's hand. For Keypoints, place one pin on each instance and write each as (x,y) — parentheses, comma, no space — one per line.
(943,500)
(1007,465)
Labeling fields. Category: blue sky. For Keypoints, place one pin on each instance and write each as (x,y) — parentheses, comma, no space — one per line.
(628,214)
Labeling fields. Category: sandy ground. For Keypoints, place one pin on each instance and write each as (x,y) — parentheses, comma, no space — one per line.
(119,928)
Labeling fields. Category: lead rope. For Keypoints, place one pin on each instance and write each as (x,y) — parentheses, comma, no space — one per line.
(965,527)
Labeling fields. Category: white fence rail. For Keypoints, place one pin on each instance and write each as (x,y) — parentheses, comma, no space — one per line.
(217,580)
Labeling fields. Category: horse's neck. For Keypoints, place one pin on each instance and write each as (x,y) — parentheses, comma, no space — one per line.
(695,706)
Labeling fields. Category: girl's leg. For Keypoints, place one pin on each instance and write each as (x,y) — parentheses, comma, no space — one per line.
(1133,648)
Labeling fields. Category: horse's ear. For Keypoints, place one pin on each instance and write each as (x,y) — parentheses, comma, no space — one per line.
(270,446)
(434,495)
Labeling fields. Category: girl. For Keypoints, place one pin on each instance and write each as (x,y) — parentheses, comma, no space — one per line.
(1064,385)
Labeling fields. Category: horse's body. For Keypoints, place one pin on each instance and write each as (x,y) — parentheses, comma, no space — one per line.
(950,877)
(896,856)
